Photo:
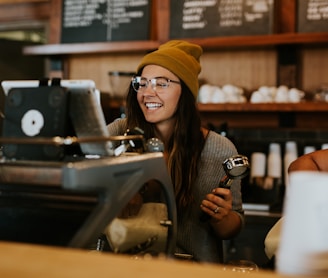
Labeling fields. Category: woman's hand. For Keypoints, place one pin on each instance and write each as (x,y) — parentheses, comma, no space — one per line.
(218,204)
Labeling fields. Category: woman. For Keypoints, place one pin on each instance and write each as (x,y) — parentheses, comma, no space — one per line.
(162,102)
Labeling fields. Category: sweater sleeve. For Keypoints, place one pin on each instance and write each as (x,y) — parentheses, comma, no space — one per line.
(117,127)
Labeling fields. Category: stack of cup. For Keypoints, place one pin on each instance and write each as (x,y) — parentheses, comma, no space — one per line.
(324,146)
(309,149)
(290,155)
(274,166)
(258,168)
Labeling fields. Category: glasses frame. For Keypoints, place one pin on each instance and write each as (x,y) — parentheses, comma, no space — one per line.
(152,82)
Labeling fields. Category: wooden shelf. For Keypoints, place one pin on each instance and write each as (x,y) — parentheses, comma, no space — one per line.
(206,43)
(265,107)
(262,40)
(96,47)
(305,115)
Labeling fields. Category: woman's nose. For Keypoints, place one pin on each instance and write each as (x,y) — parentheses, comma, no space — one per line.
(149,90)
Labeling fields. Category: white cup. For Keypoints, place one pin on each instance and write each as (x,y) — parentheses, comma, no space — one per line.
(295,95)
(258,164)
(324,146)
(274,161)
(291,154)
(309,149)
(205,93)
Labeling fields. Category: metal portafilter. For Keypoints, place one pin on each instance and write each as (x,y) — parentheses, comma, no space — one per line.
(235,167)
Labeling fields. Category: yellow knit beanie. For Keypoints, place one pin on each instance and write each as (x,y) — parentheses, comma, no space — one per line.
(179,57)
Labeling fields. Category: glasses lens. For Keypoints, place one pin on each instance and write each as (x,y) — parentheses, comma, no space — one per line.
(138,83)
(161,83)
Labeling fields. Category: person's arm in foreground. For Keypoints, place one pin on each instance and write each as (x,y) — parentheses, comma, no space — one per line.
(315,161)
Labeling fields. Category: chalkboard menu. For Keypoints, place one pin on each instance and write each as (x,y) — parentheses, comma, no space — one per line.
(211,18)
(312,16)
(105,20)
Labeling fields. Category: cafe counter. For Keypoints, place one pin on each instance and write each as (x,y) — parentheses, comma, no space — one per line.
(26,260)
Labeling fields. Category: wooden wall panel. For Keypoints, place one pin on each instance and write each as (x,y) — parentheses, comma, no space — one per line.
(248,69)
(314,68)
(96,67)
(21,1)
(24,10)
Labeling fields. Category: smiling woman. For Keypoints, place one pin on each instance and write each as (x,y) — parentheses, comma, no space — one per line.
(162,102)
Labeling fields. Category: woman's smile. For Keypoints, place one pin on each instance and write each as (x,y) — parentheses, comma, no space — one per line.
(153,105)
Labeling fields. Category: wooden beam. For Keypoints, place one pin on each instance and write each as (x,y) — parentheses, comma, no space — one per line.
(36,10)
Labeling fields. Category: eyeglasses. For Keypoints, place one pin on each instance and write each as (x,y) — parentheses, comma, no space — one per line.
(158,84)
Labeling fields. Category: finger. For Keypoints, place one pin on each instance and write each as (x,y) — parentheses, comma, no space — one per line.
(210,207)
(215,200)
(216,210)
(210,204)
(221,191)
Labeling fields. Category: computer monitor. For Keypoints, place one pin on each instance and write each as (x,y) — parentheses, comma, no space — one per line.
(67,108)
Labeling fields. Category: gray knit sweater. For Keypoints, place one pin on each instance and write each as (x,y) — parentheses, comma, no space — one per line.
(195,237)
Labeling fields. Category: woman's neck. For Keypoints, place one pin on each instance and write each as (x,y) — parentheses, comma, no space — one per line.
(164,130)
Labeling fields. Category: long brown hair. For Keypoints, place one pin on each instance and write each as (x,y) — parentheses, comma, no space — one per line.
(185,145)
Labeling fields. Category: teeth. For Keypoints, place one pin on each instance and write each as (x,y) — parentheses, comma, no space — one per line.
(153,105)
